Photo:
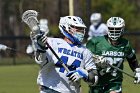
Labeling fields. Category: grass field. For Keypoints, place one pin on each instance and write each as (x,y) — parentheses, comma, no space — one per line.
(22,79)
(18,79)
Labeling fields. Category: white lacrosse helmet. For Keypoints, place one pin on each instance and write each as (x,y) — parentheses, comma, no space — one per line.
(73,28)
(43,24)
(115,27)
(95,18)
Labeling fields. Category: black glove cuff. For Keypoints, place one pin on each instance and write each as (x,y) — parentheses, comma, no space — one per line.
(42,47)
(41,51)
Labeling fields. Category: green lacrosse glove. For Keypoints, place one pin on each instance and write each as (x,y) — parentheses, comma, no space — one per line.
(100,61)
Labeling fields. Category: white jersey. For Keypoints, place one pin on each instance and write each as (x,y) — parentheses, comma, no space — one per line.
(99,31)
(53,75)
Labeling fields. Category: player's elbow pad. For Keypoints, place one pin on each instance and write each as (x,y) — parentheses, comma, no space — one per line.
(92,78)
(38,57)
(37,60)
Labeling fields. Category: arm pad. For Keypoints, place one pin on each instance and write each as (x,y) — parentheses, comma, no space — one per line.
(133,62)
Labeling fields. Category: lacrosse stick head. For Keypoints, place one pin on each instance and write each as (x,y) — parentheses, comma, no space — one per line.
(30,18)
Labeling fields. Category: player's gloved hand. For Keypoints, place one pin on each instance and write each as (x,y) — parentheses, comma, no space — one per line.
(77,74)
(41,40)
(137,76)
(29,49)
(100,61)
(32,35)
(3,47)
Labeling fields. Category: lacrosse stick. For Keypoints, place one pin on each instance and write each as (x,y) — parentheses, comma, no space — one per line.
(30,18)
(4,48)
(122,71)
(96,57)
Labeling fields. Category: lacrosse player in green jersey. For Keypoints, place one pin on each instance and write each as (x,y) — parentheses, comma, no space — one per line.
(112,49)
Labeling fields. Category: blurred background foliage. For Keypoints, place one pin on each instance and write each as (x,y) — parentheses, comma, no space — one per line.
(126,9)
(11,11)
(15,33)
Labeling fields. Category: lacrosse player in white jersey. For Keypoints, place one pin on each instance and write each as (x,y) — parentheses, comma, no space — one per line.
(53,77)
(97,28)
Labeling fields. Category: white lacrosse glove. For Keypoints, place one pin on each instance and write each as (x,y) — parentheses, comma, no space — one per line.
(100,61)
(3,47)
(29,49)
(137,76)
(77,74)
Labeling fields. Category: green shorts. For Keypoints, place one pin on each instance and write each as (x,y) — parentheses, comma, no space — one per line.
(115,86)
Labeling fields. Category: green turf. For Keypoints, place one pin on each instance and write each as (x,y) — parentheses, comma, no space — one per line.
(22,79)
(18,79)
(128,85)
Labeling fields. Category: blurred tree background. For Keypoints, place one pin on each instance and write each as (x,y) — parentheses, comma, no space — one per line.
(11,11)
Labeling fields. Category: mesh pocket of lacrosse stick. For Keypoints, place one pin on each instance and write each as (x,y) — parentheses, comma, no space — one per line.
(30,18)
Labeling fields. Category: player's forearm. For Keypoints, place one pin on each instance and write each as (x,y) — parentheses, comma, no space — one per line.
(133,62)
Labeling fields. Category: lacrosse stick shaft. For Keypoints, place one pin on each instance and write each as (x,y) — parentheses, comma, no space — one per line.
(4,47)
(18,51)
(119,69)
(122,71)
(62,63)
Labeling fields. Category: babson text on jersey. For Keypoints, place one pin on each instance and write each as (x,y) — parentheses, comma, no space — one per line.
(113,53)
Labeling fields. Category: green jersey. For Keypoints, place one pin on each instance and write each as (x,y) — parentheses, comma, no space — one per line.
(115,55)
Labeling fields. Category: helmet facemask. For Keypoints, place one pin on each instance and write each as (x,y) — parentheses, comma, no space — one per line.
(77,32)
(115,33)
(95,22)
